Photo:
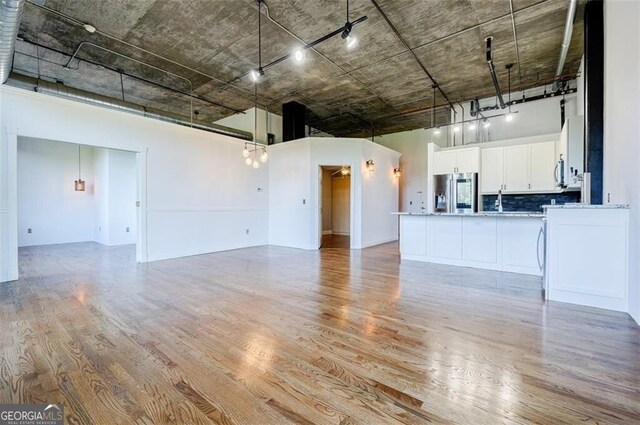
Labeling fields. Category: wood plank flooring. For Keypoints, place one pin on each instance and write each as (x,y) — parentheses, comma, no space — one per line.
(272,335)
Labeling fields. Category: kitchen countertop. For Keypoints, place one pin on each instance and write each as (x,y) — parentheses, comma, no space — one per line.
(588,206)
(479,214)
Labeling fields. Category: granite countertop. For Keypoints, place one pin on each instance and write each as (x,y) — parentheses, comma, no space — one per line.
(588,206)
(479,214)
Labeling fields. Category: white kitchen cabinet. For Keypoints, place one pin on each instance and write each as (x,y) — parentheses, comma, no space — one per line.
(445,238)
(480,239)
(457,161)
(587,258)
(541,166)
(468,160)
(445,162)
(492,175)
(516,168)
(519,169)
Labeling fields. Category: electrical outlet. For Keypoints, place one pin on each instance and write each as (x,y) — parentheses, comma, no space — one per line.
(259,189)
(410,202)
(247,231)
(304,202)
(608,197)
(29,230)
(128,230)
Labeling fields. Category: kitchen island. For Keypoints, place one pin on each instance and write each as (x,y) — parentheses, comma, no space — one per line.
(509,241)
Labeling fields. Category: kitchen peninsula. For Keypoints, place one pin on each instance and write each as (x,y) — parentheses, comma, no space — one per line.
(509,241)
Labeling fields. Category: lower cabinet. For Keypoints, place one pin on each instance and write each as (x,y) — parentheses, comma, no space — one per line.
(486,242)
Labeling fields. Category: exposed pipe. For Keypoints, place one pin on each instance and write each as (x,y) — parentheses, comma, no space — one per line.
(10,15)
(492,71)
(566,39)
(60,90)
(515,40)
(88,43)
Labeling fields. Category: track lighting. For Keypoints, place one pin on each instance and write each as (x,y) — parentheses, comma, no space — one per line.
(256,74)
(264,156)
(456,128)
(248,161)
(437,130)
(508,117)
(472,126)
(245,151)
(89,28)
(255,164)
(486,124)
(370,165)
(298,56)
(352,42)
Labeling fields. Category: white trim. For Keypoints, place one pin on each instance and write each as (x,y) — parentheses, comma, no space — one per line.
(327,232)
(379,242)
(202,210)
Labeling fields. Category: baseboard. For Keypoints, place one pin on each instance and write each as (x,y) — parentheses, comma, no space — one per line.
(341,233)
(379,242)
(327,232)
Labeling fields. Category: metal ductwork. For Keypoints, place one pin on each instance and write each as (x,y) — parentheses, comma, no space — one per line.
(566,39)
(10,15)
(492,71)
(60,90)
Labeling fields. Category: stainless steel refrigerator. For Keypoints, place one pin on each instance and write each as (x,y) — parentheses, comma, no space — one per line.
(455,193)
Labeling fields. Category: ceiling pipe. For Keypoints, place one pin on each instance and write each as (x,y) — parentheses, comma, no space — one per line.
(566,40)
(60,90)
(10,15)
(492,71)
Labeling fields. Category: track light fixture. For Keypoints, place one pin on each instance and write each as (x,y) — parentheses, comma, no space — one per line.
(472,126)
(370,165)
(486,123)
(298,55)
(456,128)
(437,130)
(256,74)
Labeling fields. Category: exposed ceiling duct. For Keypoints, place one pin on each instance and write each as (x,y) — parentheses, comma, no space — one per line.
(10,15)
(566,39)
(60,90)
(492,71)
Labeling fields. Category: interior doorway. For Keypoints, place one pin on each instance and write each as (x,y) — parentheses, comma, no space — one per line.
(70,193)
(335,206)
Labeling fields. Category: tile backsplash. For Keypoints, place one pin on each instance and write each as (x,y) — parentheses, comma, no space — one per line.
(528,202)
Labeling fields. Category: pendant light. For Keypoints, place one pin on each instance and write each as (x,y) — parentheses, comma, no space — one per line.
(79,184)
(254,155)
(509,116)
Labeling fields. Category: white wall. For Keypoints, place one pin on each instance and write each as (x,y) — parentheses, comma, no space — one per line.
(47,201)
(622,124)
(198,195)
(530,119)
(294,182)
(267,123)
(122,197)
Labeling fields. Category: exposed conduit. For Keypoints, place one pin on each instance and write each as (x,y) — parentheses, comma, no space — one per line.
(10,15)
(566,39)
(60,90)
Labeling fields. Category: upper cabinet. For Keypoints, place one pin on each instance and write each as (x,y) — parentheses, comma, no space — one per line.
(465,160)
(519,169)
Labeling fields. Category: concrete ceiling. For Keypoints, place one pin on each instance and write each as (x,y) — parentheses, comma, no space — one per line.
(213,44)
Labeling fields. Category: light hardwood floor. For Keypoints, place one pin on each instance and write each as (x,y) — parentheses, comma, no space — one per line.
(273,335)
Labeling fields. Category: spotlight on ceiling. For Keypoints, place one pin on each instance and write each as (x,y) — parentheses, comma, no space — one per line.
(352,42)
(437,130)
(89,28)
(509,117)
(256,74)
(298,55)
(456,128)
(472,126)
(486,124)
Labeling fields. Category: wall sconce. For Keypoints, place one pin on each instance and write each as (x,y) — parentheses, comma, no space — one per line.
(396,172)
(370,165)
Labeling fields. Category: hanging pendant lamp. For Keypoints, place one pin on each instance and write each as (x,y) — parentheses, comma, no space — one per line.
(79,184)
(254,155)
